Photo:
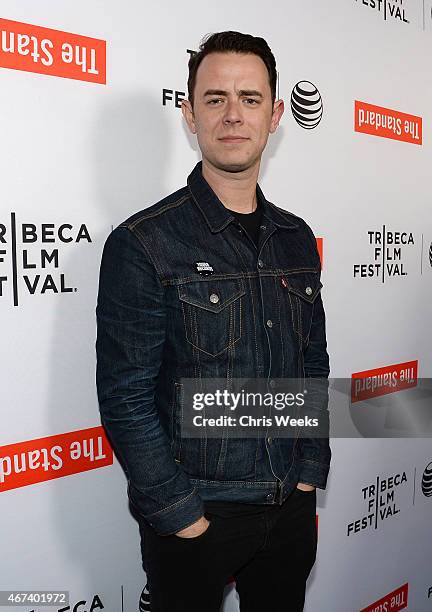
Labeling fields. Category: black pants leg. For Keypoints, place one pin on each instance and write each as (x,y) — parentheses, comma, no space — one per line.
(275,579)
(269,555)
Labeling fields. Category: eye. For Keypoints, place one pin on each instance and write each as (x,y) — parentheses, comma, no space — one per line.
(214,101)
(251,101)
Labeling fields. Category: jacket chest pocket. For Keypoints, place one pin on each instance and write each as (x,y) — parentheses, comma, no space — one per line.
(302,289)
(212,313)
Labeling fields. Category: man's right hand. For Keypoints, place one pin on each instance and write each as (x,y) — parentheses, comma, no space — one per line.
(195,529)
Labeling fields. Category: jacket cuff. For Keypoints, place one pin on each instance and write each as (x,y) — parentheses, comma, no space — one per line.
(178,515)
(313,473)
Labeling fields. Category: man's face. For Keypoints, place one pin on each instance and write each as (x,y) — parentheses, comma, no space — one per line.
(233,113)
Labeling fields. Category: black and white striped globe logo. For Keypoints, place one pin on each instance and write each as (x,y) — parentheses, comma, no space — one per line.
(430,254)
(306,105)
(427,481)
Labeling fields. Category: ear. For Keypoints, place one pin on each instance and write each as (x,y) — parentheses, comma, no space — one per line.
(278,110)
(188,115)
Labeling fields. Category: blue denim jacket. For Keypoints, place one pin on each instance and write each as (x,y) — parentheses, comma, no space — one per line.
(156,324)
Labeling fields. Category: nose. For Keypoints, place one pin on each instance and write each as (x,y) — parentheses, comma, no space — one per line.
(232,113)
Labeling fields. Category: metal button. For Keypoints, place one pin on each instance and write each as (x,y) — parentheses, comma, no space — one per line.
(263,226)
(269,440)
(260,263)
(269,496)
(308,290)
(214,298)
(269,323)
(272,383)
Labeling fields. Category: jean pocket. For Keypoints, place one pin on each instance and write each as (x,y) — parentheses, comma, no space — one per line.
(202,536)
(303,493)
(303,289)
(212,313)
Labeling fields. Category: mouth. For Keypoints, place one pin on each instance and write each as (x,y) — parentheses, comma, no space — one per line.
(233,139)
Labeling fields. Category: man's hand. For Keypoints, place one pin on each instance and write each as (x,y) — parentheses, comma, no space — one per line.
(305,487)
(195,529)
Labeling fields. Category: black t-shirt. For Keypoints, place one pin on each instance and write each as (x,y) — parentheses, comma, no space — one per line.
(250,221)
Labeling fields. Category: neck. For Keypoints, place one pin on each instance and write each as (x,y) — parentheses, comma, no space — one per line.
(236,190)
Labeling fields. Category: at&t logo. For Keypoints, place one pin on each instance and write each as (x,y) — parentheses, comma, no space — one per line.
(426,483)
(306,105)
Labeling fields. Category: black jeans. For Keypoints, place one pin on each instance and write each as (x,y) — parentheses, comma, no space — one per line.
(270,556)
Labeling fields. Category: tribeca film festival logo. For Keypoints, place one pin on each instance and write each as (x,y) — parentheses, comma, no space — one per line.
(391,10)
(306,105)
(389,250)
(175,96)
(381,381)
(33,265)
(42,50)
(52,599)
(381,502)
(387,123)
(33,461)
(392,602)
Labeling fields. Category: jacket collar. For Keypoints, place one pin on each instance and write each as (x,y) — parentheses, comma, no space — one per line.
(217,215)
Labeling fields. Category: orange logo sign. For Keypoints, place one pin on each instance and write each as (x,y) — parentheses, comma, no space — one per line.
(35,49)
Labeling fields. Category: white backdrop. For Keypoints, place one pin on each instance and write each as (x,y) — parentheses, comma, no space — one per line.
(89,154)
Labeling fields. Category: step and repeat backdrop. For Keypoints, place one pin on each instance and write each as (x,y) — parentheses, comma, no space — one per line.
(91,132)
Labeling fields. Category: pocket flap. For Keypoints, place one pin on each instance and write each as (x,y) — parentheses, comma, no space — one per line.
(212,295)
(306,285)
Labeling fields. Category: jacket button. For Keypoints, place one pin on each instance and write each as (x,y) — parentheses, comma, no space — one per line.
(269,323)
(269,496)
(214,298)
(272,383)
(269,440)
(308,290)
(260,263)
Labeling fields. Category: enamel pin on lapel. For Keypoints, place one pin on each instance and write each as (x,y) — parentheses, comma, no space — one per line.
(204,268)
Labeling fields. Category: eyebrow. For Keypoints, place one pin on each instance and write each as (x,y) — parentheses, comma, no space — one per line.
(242,92)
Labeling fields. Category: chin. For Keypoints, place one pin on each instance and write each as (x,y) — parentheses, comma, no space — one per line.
(233,166)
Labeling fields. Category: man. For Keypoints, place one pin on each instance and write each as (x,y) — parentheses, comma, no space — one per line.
(214,281)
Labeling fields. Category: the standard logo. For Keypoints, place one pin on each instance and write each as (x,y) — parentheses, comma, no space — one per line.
(382,502)
(387,123)
(390,254)
(392,602)
(306,105)
(32,48)
(426,483)
(32,461)
(381,381)
(30,252)
(390,10)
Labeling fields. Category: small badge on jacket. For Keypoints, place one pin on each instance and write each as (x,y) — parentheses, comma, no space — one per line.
(204,268)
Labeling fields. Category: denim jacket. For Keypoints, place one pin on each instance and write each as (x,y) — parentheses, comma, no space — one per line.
(156,324)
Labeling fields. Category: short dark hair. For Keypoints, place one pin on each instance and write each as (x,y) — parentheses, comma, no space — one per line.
(232,42)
